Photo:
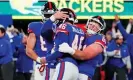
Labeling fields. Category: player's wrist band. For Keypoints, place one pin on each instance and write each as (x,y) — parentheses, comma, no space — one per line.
(52,18)
(38,60)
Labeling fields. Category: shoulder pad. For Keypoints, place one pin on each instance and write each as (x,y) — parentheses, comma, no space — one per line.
(35,27)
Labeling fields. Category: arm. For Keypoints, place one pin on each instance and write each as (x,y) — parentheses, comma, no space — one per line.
(54,56)
(127,61)
(128,29)
(110,53)
(121,28)
(129,26)
(46,31)
(49,23)
(126,58)
(89,52)
(113,30)
(115,53)
(30,46)
(60,38)
(104,61)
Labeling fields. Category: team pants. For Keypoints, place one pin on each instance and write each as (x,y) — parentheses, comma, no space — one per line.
(83,77)
(66,71)
(7,71)
(97,75)
(121,73)
(23,76)
(46,75)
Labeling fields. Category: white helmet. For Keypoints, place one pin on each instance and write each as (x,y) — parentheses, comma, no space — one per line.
(96,19)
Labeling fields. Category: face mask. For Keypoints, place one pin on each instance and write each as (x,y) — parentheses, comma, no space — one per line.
(92,28)
(90,31)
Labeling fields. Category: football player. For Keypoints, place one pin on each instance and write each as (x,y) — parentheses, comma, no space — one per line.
(93,47)
(67,32)
(36,45)
(47,32)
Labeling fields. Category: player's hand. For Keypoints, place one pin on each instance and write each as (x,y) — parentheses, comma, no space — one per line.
(43,60)
(60,15)
(117,18)
(65,48)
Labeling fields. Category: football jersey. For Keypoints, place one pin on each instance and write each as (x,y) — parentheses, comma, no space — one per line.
(40,46)
(6,53)
(48,30)
(74,37)
(88,67)
(113,61)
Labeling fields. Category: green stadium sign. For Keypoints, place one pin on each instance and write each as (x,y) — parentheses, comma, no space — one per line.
(30,9)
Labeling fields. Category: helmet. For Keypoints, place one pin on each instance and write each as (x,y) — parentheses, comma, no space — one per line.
(96,19)
(71,15)
(48,10)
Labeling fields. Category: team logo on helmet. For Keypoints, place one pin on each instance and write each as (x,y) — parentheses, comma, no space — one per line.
(48,9)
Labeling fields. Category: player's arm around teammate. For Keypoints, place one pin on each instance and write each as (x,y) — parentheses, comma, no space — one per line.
(94,26)
(88,53)
(49,23)
(93,47)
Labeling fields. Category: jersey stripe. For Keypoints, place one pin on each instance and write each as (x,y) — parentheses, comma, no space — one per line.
(100,42)
(61,72)
(30,31)
(47,73)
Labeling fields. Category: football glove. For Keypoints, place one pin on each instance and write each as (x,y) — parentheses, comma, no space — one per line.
(65,48)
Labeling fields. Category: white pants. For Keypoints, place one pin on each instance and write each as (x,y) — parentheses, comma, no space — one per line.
(83,77)
(66,71)
(52,71)
(46,75)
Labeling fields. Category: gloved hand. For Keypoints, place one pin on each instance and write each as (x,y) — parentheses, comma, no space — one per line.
(65,48)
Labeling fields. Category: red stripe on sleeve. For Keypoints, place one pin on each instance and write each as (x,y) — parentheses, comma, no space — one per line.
(101,43)
(30,31)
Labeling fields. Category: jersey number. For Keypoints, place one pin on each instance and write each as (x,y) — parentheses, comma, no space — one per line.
(75,44)
(43,43)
